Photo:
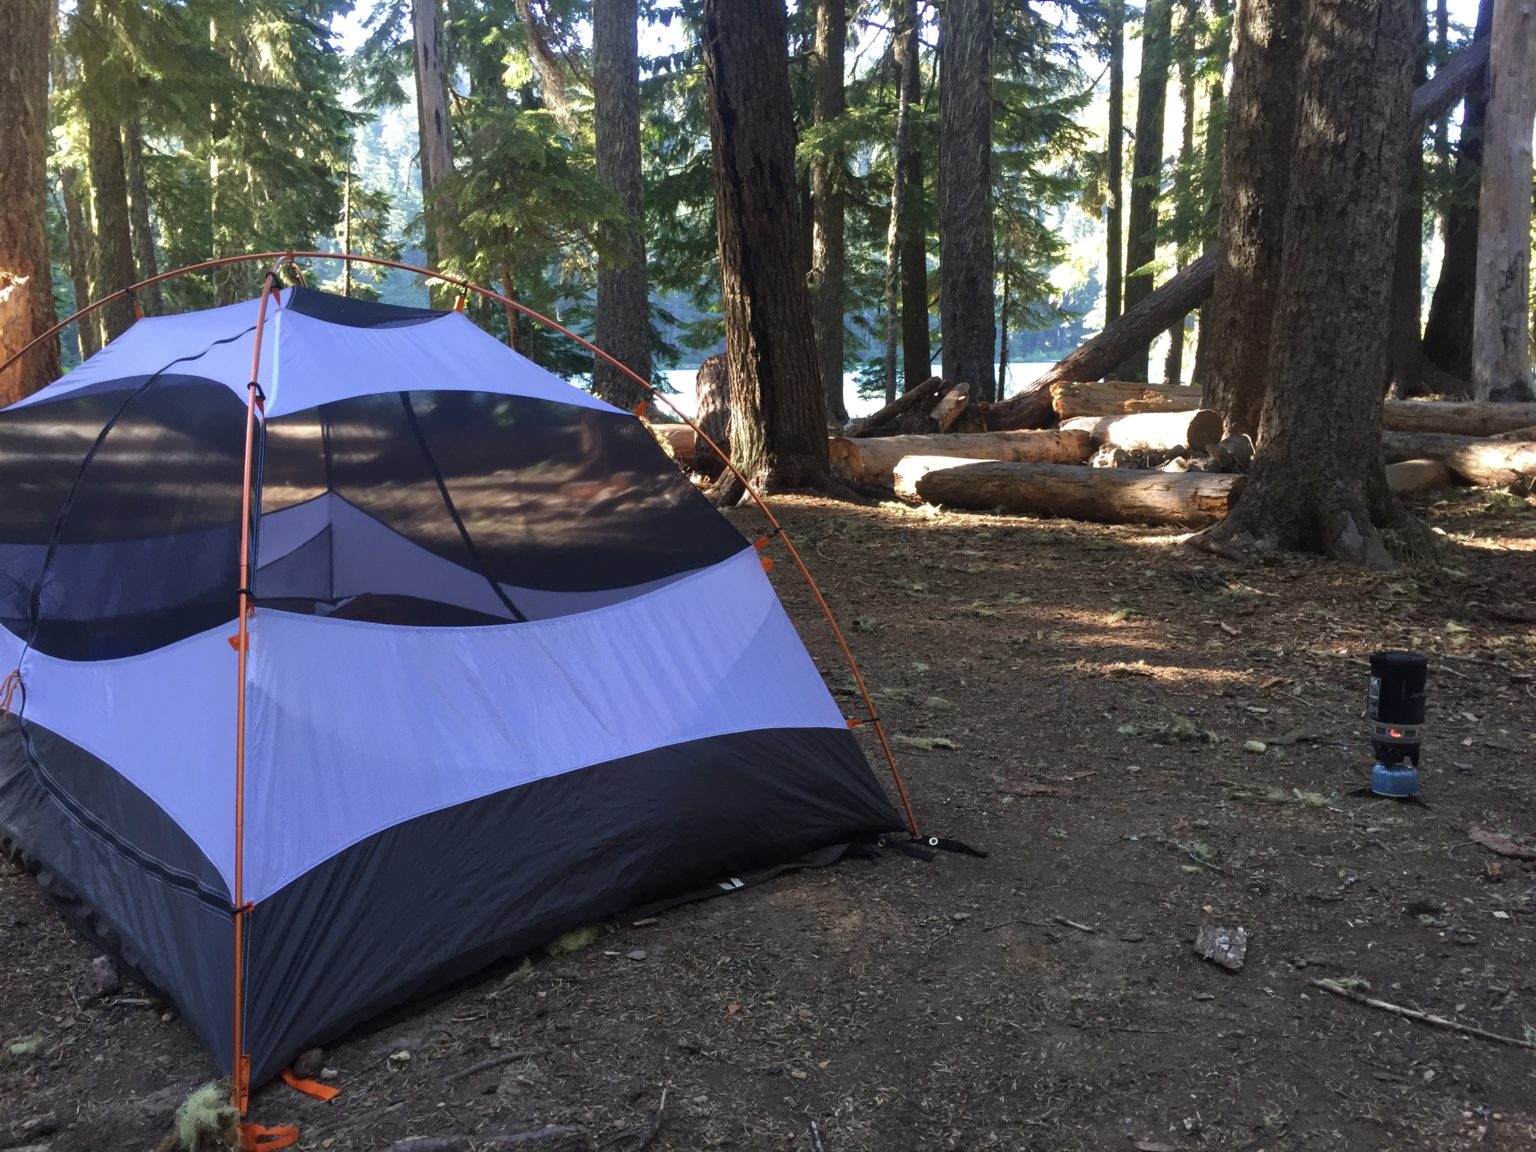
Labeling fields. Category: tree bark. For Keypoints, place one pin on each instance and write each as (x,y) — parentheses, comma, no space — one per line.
(1448,330)
(895,238)
(88,328)
(1151,431)
(1255,177)
(26,279)
(622,323)
(1147,166)
(779,411)
(1114,279)
(828,244)
(966,265)
(712,413)
(1103,495)
(681,442)
(1173,366)
(1474,460)
(109,211)
(150,298)
(1501,310)
(873,461)
(436,145)
(1408,263)
(1318,481)
(916,346)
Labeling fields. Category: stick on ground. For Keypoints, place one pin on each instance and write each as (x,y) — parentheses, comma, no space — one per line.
(1413,1014)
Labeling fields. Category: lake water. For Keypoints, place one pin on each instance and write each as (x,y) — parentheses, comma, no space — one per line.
(1019,376)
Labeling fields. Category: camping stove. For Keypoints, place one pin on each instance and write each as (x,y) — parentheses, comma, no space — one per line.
(1395,707)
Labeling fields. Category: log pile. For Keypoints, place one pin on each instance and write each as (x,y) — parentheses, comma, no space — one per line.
(873,461)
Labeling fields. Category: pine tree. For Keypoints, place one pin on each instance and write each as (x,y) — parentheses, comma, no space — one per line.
(828,241)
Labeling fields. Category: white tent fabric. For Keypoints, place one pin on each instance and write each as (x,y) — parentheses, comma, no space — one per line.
(302,358)
(473,710)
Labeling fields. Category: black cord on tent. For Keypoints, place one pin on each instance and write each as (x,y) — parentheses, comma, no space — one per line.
(458,521)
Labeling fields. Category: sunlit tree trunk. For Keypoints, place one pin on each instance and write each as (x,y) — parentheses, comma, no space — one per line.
(1501,324)
(828,243)
(1147,165)
(142,225)
(905,62)
(436,145)
(26,281)
(1114,277)
(916,348)
(622,325)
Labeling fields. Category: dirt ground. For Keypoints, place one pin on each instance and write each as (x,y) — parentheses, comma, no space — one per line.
(1076,700)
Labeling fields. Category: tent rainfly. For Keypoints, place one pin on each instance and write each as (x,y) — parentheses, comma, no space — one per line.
(452,719)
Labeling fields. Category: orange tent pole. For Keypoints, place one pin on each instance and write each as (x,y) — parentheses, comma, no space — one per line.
(655,393)
(240,1075)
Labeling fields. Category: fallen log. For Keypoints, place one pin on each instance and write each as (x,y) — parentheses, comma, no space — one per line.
(1485,463)
(1409,476)
(1074,399)
(873,461)
(917,399)
(1151,431)
(1518,434)
(679,440)
(1457,417)
(1104,495)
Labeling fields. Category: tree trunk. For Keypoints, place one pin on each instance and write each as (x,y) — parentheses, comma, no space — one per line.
(966,267)
(894,237)
(1114,278)
(436,145)
(1103,495)
(1151,431)
(779,412)
(1408,262)
(622,324)
(88,328)
(1318,481)
(1147,166)
(873,461)
(150,298)
(828,246)
(1173,366)
(916,348)
(109,211)
(1448,330)
(1501,310)
(1474,460)
(1261,115)
(712,413)
(1442,49)
(26,279)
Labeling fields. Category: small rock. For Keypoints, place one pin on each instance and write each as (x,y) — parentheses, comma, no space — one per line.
(644,922)
(636,954)
(401,1057)
(1223,946)
(102,979)
(959,916)
(1257,747)
(329,1073)
(1133,937)
(1205,996)
(936,703)
(798,1074)
(309,1064)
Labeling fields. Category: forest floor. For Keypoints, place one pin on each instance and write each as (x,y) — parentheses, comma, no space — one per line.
(1098,686)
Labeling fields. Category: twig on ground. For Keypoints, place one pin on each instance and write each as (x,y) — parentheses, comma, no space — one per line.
(1195,856)
(495,1061)
(816,1138)
(647,1134)
(1422,1017)
(1075,924)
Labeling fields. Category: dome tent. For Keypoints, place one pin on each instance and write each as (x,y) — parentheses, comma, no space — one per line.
(467,723)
